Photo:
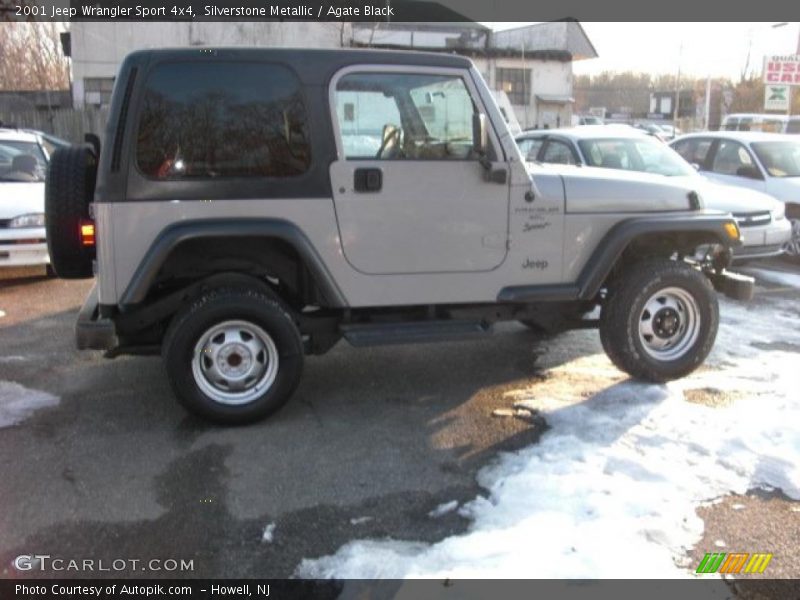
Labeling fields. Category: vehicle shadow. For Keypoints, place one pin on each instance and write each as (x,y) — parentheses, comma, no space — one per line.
(370,444)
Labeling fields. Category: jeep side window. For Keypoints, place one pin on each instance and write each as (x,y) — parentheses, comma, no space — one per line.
(363,116)
(216,119)
(404,116)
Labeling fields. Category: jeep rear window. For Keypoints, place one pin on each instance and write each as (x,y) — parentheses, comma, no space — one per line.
(220,119)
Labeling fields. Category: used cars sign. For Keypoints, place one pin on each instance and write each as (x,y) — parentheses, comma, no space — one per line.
(782,69)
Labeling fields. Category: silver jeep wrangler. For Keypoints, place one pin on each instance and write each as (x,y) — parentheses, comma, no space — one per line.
(251,206)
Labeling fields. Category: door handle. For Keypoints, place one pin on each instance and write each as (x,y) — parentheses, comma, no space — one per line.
(368,180)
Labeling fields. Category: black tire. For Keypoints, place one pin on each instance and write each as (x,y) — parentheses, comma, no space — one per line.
(259,310)
(627,307)
(69,188)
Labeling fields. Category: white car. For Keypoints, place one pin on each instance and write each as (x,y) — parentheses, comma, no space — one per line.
(766,162)
(765,229)
(23,162)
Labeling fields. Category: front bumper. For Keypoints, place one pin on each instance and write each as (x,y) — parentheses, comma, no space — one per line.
(763,242)
(93,332)
(733,285)
(23,247)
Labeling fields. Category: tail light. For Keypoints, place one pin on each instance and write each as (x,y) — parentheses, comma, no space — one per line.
(86,231)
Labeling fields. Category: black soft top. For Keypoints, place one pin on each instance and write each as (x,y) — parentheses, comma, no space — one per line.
(305,61)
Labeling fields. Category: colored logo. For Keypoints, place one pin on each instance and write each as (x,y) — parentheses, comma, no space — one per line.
(737,562)
(777,94)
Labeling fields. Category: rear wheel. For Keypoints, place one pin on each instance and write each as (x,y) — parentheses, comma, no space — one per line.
(234,356)
(660,320)
(69,189)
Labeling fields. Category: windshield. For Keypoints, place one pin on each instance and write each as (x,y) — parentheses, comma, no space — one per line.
(646,155)
(21,161)
(780,159)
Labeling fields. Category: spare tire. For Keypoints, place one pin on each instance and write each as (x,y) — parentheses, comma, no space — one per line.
(69,189)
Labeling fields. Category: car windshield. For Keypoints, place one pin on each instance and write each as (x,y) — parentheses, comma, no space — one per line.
(780,159)
(21,161)
(646,155)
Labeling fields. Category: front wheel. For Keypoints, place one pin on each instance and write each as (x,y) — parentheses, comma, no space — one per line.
(234,356)
(660,320)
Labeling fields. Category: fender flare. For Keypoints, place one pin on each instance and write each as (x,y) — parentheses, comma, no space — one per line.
(611,247)
(173,235)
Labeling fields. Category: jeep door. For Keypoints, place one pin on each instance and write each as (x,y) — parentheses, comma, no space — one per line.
(410,192)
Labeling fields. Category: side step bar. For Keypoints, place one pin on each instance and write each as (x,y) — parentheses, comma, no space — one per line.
(413,332)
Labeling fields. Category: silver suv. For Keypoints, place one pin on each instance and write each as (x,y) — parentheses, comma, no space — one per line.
(250,207)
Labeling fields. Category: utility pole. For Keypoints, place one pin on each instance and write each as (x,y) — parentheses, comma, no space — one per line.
(677,89)
(525,86)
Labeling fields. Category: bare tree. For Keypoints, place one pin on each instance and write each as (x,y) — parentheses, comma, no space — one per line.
(32,57)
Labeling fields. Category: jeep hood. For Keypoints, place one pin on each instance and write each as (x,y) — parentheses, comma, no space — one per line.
(598,190)
(20,198)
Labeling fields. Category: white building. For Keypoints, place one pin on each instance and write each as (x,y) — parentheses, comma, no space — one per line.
(98,48)
(531,64)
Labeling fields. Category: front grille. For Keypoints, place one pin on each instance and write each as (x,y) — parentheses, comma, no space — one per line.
(756,219)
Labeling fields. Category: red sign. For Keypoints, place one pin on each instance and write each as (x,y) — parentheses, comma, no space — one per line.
(782,69)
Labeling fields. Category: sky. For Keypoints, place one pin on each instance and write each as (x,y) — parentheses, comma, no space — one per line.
(700,49)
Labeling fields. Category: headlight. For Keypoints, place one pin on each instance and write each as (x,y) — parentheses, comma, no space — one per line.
(779,213)
(27,221)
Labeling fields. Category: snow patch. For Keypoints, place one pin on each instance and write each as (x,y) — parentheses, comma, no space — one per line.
(17,403)
(2,314)
(13,358)
(360,520)
(620,472)
(776,277)
(443,509)
(268,534)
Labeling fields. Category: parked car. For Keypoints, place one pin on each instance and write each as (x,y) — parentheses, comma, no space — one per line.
(23,162)
(372,196)
(765,123)
(765,162)
(764,226)
(652,129)
(586,120)
(48,141)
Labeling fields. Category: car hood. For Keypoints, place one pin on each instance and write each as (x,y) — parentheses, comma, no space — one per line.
(598,190)
(785,189)
(729,198)
(20,198)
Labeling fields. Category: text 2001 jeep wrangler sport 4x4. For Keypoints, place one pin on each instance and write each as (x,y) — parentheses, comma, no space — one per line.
(252,206)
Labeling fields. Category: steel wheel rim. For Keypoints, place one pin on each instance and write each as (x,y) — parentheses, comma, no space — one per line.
(235,362)
(669,324)
(792,247)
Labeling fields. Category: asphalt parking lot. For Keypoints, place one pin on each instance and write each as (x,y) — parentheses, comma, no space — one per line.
(371,443)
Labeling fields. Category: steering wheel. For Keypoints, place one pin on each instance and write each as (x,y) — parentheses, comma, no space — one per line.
(390,143)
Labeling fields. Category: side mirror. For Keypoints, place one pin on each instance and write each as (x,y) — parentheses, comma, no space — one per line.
(479,135)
